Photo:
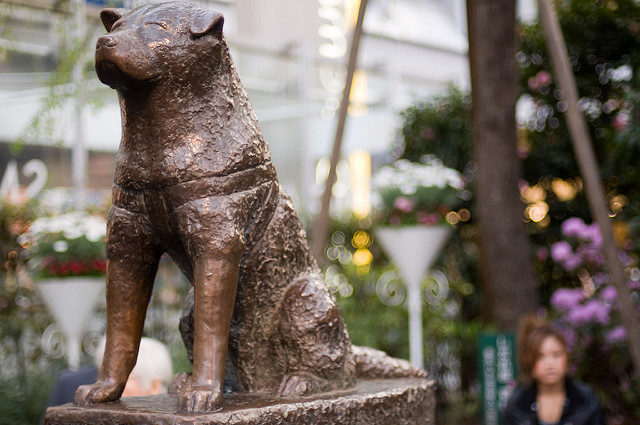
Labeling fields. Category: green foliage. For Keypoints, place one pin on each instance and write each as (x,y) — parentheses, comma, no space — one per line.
(440,126)
(14,220)
(603,41)
(22,315)
(425,197)
(370,322)
(450,322)
(24,399)
(5,33)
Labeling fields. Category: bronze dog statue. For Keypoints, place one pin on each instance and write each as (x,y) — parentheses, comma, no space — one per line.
(194,179)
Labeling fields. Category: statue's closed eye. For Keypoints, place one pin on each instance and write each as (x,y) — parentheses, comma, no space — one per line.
(160,24)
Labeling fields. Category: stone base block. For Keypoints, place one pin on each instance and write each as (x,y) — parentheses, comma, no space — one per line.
(372,402)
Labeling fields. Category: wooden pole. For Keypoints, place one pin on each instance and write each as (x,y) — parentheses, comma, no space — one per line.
(319,238)
(589,169)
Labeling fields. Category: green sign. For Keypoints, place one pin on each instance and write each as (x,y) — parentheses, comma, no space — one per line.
(497,372)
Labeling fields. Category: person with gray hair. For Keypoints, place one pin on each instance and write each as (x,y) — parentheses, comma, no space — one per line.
(151,375)
(153,370)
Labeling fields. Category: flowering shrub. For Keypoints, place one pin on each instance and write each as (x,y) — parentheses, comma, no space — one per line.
(590,320)
(70,244)
(411,193)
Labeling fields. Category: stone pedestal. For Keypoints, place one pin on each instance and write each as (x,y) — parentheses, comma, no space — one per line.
(372,402)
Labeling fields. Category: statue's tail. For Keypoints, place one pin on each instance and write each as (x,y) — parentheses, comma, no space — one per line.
(374,364)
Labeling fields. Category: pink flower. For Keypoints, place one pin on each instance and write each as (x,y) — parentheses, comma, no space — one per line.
(542,253)
(617,334)
(593,234)
(571,262)
(570,337)
(427,133)
(404,204)
(560,251)
(590,253)
(543,78)
(574,227)
(620,121)
(533,84)
(426,218)
(565,299)
(593,311)
(625,259)
(609,293)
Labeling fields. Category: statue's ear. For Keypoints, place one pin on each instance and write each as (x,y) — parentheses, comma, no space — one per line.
(205,22)
(110,16)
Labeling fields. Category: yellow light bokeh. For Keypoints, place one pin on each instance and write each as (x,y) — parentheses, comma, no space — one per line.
(617,203)
(465,215)
(360,173)
(533,194)
(452,218)
(362,257)
(565,190)
(537,212)
(360,239)
(620,232)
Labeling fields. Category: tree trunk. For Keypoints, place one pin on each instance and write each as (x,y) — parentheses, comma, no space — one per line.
(508,284)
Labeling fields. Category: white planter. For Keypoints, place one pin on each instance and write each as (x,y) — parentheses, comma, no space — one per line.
(71,301)
(413,249)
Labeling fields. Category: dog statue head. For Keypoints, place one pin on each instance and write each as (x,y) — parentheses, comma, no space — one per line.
(157,42)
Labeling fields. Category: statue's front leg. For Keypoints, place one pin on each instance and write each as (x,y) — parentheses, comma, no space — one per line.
(215,281)
(131,268)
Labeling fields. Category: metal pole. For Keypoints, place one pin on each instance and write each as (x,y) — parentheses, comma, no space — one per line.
(322,224)
(414,304)
(79,151)
(589,169)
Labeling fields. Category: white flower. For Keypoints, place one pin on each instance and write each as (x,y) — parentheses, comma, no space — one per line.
(407,176)
(73,233)
(60,246)
(72,225)
(95,228)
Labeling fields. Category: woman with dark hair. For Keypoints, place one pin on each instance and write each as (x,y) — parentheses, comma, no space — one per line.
(547,396)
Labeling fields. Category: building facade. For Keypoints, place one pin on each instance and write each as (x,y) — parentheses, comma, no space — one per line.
(291,56)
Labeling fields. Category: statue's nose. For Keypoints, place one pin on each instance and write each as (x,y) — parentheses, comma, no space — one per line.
(106,41)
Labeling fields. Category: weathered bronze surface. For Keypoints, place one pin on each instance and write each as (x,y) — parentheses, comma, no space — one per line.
(194,179)
(372,402)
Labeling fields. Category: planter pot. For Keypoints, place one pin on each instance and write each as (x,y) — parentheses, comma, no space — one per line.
(413,249)
(71,301)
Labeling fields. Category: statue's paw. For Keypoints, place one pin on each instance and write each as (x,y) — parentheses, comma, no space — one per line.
(100,392)
(179,384)
(200,399)
(301,384)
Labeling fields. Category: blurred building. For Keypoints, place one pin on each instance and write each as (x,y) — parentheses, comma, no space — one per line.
(291,56)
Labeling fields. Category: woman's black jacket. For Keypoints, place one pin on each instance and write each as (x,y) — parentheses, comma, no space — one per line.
(581,407)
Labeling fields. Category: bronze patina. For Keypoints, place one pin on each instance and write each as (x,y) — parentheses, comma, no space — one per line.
(194,179)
